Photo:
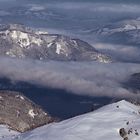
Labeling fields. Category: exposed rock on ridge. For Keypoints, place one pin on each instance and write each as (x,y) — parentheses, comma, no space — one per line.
(19,113)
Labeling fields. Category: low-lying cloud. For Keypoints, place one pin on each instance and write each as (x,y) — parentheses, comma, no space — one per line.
(98,6)
(123,53)
(4,13)
(82,78)
(35,7)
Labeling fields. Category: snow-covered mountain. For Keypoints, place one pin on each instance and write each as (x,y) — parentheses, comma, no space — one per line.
(122,26)
(122,32)
(23,42)
(117,121)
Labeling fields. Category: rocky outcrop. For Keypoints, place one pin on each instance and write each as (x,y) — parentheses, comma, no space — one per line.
(123,133)
(20,113)
(23,42)
(126,134)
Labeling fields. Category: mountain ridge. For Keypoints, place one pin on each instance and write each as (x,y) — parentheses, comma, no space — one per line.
(24,42)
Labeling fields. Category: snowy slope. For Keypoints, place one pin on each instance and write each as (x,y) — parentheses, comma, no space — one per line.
(6,133)
(102,124)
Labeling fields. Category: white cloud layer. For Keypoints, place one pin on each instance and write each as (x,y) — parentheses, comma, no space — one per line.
(83,78)
(120,52)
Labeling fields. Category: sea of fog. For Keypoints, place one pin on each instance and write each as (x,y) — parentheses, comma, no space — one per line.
(68,89)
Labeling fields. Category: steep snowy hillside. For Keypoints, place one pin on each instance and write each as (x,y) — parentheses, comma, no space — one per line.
(118,121)
(23,42)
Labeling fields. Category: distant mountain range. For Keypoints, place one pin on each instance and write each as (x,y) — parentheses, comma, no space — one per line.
(123,32)
(23,42)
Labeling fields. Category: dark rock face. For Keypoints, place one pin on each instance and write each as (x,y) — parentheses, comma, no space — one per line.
(126,134)
(19,113)
(23,42)
(133,82)
(122,132)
